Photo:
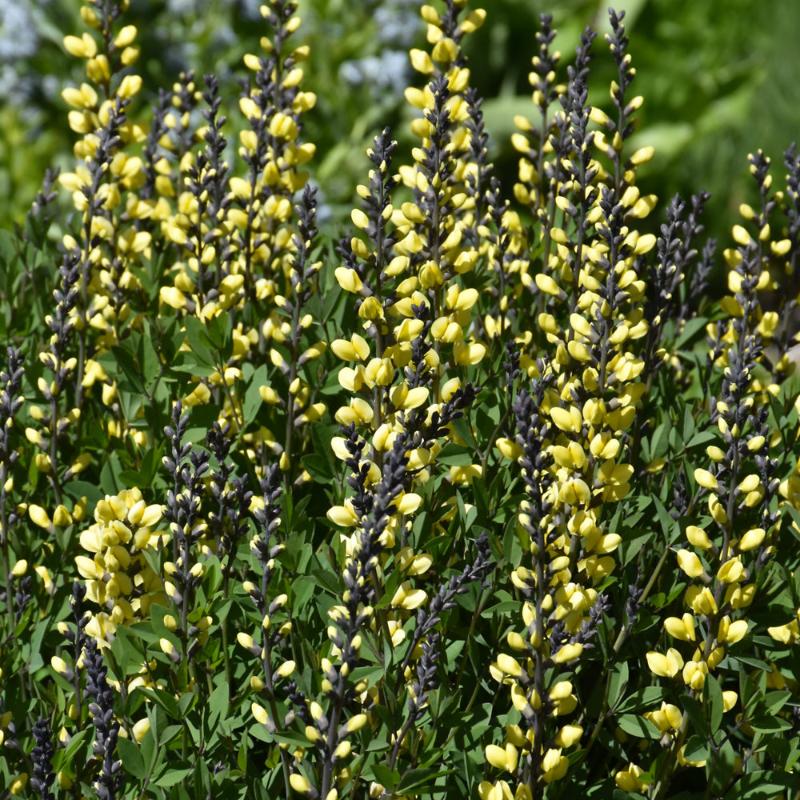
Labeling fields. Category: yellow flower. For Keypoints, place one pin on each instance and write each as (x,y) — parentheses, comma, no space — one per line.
(681,628)
(698,537)
(690,563)
(665,665)
(348,279)
(705,479)
(629,779)
(300,783)
(554,765)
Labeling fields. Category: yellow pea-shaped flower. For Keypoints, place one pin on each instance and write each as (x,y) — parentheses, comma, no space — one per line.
(705,479)
(665,665)
(690,563)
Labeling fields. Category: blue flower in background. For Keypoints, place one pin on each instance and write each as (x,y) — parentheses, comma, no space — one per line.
(18,40)
(397,25)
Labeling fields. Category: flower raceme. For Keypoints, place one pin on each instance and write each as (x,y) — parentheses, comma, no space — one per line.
(118,577)
(728,550)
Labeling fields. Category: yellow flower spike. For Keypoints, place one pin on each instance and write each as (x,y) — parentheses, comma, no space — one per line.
(599,117)
(130,86)
(166,646)
(59,665)
(468,353)
(748,484)
(701,600)
(740,596)
(473,21)
(285,670)
(342,751)
(421,61)
(47,582)
(580,325)
(717,510)
(259,713)
(667,718)
(413,398)
(785,634)
(780,248)
(408,598)
(173,297)
(356,723)
(409,503)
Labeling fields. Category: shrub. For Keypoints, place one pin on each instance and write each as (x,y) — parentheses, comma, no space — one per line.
(490,498)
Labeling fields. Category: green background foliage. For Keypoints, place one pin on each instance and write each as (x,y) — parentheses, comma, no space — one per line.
(719,78)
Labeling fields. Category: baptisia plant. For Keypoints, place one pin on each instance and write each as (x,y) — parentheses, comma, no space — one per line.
(489,491)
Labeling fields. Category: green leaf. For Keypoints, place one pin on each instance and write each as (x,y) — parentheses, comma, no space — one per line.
(35,660)
(764,785)
(454,456)
(66,756)
(643,698)
(218,705)
(696,749)
(131,758)
(387,777)
(713,695)
(690,329)
(417,780)
(199,342)
(78,489)
(775,701)
(164,699)
(151,364)
(669,526)
(617,683)
(639,727)
(252,398)
(171,777)
(769,724)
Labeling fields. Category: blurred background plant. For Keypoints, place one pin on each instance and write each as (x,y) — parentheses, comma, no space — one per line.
(719,78)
